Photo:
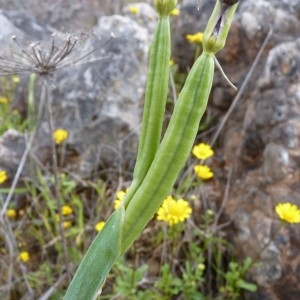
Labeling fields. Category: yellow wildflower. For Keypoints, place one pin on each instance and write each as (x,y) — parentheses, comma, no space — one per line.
(3,176)
(171,63)
(16,79)
(203,151)
(11,213)
(210,212)
(133,10)
(24,256)
(175,12)
(3,100)
(203,172)
(66,224)
(66,210)
(118,201)
(173,212)
(195,38)
(288,212)
(99,225)
(60,135)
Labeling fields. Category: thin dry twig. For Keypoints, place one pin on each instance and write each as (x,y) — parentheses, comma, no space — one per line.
(243,87)
(53,288)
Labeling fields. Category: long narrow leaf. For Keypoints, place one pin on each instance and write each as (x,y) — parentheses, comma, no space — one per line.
(98,260)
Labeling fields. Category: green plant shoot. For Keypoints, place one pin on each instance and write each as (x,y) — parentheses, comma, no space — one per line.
(158,164)
(98,260)
(155,97)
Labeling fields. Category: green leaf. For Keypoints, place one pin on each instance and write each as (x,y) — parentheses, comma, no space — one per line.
(98,261)
(246,285)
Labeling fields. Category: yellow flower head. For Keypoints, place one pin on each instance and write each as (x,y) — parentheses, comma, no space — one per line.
(288,212)
(195,38)
(133,10)
(24,256)
(203,172)
(175,12)
(171,63)
(60,135)
(173,212)
(11,213)
(99,225)
(118,201)
(203,151)
(3,176)
(3,100)
(66,210)
(16,79)
(67,224)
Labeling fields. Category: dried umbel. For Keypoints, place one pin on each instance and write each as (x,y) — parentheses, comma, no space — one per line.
(42,58)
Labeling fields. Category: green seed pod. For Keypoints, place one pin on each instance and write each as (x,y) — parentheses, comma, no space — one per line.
(155,102)
(181,132)
(173,151)
(218,26)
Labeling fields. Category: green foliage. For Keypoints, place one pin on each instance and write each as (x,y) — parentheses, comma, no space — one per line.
(9,117)
(168,284)
(235,280)
(128,280)
(187,286)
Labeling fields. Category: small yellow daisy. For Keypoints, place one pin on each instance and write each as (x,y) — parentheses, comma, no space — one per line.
(24,256)
(66,210)
(203,172)
(16,79)
(60,135)
(118,201)
(3,176)
(11,213)
(66,224)
(99,226)
(3,100)
(133,10)
(203,151)
(175,12)
(195,38)
(173,212)
(288,212)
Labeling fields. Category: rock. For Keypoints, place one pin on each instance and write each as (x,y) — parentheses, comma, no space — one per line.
(12,145)
(99,99)
(143,14)
(100,102)
(261,143)
(26,25)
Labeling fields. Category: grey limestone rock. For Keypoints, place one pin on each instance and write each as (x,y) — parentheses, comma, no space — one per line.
(98,99)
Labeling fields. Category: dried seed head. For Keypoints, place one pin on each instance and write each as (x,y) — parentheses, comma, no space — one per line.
(42,58)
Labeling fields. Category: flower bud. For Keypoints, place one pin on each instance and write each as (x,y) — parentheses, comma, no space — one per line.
(164,7)
(217,28)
